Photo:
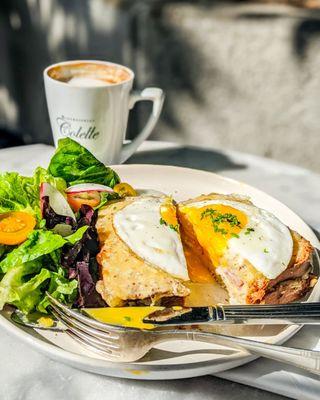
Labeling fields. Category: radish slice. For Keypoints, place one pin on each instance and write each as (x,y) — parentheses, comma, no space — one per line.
(56,200)
(88,187)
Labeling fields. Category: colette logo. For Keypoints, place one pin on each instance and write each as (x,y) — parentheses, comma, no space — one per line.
(78,128)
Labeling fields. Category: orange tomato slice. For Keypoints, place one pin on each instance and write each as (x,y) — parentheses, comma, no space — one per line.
(15,227)
(91,198)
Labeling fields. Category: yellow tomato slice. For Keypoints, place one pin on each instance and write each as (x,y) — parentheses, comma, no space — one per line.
(124,189)
(15,227)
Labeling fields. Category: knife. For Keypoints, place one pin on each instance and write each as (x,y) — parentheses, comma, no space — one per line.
(284,314)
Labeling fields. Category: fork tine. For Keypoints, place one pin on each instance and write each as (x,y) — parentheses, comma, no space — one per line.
(76,326)
(88,346)
(111,342)
(108,329)
(94,342)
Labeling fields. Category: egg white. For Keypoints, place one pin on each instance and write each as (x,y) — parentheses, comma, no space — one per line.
(138,225)
(268,247)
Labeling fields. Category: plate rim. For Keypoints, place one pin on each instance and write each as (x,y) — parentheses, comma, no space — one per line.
(83,362)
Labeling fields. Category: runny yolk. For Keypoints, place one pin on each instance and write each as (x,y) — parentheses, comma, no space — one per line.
(214,225)
(197,271)
(131,317)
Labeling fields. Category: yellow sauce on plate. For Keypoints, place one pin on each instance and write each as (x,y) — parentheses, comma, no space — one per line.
(131,317)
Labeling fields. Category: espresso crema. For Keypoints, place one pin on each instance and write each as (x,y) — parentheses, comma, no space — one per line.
(87,74)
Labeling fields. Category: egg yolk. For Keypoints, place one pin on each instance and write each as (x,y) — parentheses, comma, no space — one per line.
(214,226)
(197,271)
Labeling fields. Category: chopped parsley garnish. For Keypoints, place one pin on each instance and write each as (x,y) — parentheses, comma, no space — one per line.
(126,318)
(235,235)
(218,218)
(171,226)
(265,250)
(248,231)
(162,221)
(174,227)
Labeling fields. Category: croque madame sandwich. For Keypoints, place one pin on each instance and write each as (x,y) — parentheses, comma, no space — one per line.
(151,249)
(250,252)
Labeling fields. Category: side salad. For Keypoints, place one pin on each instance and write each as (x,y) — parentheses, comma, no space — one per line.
(48,240)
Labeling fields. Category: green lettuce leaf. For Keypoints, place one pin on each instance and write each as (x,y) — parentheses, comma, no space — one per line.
(22,193)
(33,268)
(24,295)
(39,244)
(4,250)
(16,193)
(42,175)
(106,197)
(29,295)
(75,164)
(76,236)
(61,289)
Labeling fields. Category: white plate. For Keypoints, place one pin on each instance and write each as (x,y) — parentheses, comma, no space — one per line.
(183,359)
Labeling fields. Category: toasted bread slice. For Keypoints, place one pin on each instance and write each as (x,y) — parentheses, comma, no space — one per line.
(297,279)
(127,278)
(243,282)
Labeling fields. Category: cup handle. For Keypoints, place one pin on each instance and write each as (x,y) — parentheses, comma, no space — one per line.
(155,95)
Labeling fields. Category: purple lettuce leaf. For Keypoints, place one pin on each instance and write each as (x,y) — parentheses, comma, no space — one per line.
(79,259)
(88,296)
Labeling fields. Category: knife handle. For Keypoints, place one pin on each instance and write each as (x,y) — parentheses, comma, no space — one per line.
(296,313)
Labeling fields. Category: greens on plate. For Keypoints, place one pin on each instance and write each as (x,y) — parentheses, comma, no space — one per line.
(48,240)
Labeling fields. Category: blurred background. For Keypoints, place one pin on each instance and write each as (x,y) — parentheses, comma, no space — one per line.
(242,75)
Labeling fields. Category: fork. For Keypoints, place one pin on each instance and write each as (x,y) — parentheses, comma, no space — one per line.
(121,344)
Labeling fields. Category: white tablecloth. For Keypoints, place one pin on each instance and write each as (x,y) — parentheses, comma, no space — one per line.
(25,374)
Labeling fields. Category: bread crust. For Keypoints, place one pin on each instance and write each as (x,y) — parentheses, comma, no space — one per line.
(294,282)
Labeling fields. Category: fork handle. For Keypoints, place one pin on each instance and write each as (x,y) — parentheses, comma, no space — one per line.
(301,358)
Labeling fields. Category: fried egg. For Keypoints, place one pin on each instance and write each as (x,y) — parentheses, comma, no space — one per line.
(149,228)
(233,230)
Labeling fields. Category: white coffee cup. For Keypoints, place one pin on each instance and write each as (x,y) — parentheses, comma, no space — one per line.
(95,114)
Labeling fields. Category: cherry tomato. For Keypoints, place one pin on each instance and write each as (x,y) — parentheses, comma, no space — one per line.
(91,198)
(15,227)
